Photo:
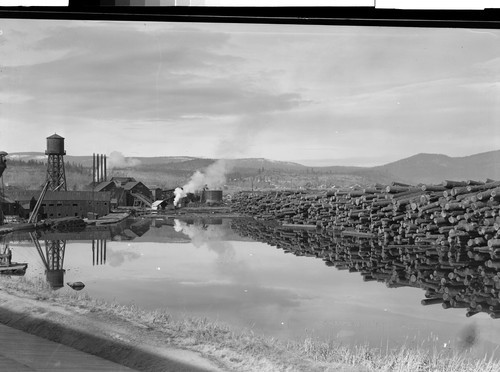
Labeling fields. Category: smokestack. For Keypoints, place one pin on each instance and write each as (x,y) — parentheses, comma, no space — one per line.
(105,171)
(98,168)
(93,168)
(101,170)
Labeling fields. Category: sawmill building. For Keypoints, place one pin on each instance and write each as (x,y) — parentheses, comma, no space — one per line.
(66,203)
(135,189)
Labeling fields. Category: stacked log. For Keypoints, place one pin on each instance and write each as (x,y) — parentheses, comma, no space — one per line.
(454,275)
(446,215)
(442,238)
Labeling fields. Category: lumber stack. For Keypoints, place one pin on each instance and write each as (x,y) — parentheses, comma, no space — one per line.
(454,274)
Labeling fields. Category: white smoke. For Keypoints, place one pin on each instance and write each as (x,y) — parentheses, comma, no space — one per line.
(117,160)
(214,177)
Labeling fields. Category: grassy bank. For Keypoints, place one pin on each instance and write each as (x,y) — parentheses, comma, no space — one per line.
(246,351)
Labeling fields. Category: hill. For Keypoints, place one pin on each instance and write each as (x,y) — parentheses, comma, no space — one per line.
(172,171)
(434,168)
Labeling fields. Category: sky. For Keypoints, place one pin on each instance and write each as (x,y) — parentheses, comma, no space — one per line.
(319,95)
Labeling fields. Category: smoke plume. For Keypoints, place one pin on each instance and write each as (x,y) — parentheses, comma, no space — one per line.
(117,160)
(235,144)
(214,177)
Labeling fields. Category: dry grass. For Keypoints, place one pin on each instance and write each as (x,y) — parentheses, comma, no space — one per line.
(246,351)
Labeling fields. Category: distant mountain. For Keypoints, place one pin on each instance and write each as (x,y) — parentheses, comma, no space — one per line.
(420,168)
(435,168)
(259,163)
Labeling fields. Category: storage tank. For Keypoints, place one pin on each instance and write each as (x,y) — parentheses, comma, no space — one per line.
(213,196)
(55,145)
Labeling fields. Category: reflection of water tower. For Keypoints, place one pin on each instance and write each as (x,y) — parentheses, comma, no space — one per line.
(54,250)
(53,260)
(56,175)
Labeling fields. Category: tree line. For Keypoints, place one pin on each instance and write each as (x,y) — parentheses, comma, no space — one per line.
(68,166)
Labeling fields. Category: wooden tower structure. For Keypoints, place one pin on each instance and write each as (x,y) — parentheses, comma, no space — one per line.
(56,175)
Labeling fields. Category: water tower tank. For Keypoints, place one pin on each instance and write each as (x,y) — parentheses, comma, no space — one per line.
(55,278)
(55,145)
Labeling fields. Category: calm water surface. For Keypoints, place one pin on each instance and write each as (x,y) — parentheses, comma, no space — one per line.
(205,268)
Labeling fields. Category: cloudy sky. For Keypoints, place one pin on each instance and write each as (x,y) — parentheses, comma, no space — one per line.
(321,95)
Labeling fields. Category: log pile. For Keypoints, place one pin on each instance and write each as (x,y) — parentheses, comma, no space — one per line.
(446,215)
(443,238)
(454,275)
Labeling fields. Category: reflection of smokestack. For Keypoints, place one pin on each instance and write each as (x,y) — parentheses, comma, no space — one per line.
(98,252)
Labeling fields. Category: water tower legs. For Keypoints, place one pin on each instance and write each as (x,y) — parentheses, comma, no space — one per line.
(55,173)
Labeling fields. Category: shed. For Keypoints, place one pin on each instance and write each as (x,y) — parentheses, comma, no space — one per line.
(159,204)
(135,189)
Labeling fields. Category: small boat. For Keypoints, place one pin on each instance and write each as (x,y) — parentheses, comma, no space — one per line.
(15,268)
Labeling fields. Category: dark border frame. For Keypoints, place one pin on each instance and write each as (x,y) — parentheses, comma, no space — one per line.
(349,16)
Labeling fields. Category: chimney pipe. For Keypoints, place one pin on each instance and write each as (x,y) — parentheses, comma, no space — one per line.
(102,168)
(93,169)
(98,169)
(105,170)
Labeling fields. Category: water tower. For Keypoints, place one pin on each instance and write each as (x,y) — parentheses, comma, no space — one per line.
(56,175)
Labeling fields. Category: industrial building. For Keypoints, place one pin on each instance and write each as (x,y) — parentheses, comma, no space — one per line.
(137,194)
(126,193)
(66,203)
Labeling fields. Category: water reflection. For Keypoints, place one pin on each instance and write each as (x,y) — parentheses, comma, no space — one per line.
(453,276)
(225,269)
(99,251)
(51,247)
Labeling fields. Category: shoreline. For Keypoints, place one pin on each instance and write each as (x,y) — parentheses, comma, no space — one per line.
(152,341)
(99,334)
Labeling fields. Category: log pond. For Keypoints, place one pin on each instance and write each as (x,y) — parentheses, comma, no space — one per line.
(284,283)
